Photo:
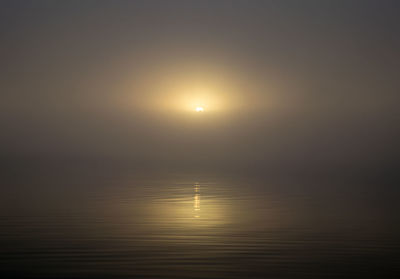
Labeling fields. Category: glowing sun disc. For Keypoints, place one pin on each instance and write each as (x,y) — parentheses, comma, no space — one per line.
(199,109)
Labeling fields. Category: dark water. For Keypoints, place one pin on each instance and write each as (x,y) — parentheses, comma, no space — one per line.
(195,226)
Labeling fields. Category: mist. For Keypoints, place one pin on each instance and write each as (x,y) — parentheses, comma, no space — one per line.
(310,85)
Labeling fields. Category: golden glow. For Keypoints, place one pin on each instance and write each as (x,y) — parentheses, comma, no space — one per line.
(173,86)
(198,99)
(187,92)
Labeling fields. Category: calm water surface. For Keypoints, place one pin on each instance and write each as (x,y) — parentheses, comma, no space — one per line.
(195,226)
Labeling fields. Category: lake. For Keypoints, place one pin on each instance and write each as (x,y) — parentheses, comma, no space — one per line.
(188,225)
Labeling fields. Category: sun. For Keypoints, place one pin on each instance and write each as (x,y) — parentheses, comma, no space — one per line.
(199,109)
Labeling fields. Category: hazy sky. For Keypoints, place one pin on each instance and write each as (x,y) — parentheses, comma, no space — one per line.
(283,83)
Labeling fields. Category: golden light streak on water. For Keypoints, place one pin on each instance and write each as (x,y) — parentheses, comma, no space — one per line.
(196,205)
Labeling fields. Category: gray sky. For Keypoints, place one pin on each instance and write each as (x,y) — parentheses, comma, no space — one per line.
(284,83)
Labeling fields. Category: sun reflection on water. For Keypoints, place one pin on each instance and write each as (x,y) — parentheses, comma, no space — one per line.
(188,206)
(196,204)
